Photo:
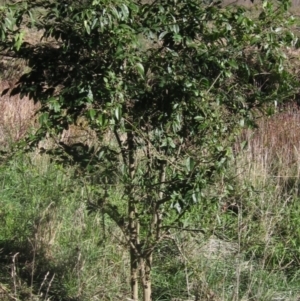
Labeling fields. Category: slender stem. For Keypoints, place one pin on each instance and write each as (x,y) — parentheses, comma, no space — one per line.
(133,223)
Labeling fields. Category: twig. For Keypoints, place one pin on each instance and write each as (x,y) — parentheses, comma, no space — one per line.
(14,273)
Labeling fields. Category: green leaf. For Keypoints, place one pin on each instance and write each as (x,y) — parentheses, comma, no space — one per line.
(118,113)
(95,21)
(125,10)
(233,64)
(140,69)
(176,28)
(19,40)
(92,114)
(102,120)
(171,142)
(87,27)
(160,37)
(9,22)
(189,164)
(43,119)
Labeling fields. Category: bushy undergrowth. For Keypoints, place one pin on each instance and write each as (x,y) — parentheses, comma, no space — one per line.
(243,244)
(50,247)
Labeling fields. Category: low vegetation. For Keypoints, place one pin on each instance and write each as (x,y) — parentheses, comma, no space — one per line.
(52,249)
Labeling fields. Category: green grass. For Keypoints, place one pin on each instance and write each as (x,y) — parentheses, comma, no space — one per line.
(51,247)
(46,226)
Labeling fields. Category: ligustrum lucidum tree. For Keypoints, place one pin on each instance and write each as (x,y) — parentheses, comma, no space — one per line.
(169,80)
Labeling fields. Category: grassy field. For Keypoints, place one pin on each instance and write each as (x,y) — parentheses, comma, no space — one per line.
(52,249)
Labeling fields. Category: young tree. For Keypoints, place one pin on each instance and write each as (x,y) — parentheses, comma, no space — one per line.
(171,80)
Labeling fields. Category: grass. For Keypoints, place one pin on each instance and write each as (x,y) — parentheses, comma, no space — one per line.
(48,237)
(52,249)
(253,254)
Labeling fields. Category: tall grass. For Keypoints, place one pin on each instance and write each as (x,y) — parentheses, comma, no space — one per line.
(52,249)
(17,116)
(252,253)
(50,246)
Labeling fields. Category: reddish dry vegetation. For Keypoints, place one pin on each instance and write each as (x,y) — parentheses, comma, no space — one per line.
(253,2)
(276,140)
(17,115)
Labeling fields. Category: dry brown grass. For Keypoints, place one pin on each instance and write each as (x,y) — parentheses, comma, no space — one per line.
(295,3)
(272,151)
(17,116)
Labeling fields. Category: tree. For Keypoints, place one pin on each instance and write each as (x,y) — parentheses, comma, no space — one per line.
(172,80)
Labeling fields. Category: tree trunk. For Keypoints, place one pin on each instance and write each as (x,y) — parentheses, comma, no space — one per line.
(133,222)
(134,260)
(134,275)
(145,271)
